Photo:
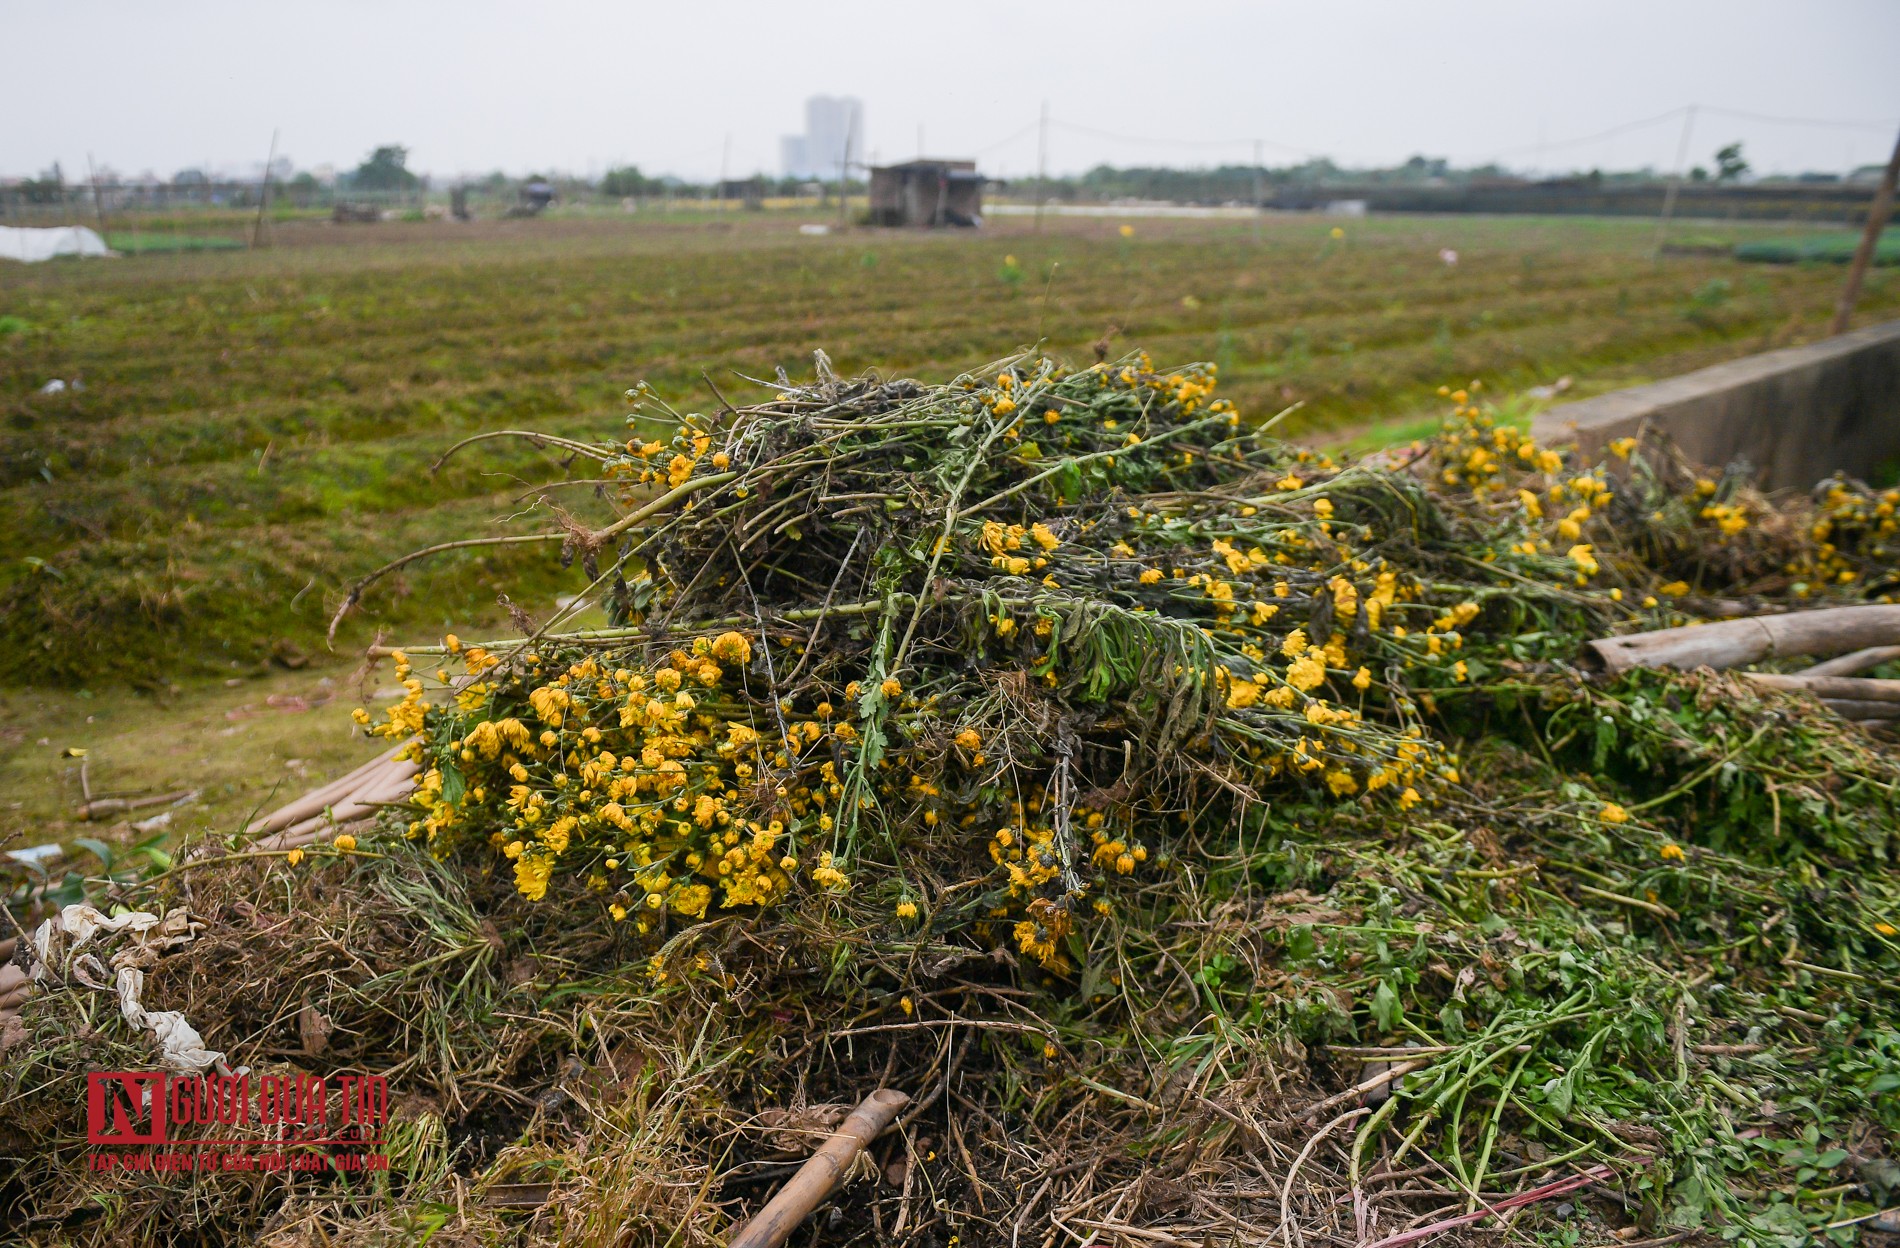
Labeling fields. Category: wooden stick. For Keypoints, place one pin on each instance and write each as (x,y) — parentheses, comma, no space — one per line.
(820,1176)
(1736,643)
(1831,688)
(1855,663)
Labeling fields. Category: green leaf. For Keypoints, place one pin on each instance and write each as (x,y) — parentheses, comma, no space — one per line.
(1386,1008)
(98,849)
(1690,1207)
(1560,1093)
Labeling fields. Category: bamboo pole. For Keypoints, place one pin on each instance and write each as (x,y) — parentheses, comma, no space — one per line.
(307,834)
(314,801)
(392,783)
(820,1177)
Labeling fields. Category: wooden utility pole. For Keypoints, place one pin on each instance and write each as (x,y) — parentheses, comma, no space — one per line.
(263,192)
(725,160)
(98,203)
(1869,239)
(1675,182)
(844,176)
(1042,163)
(1259,201)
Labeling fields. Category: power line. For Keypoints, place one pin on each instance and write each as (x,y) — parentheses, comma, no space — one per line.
(1611,133)
(1537,148)
(1164,142)
(1629,126)
(1837,124)
(1026,130)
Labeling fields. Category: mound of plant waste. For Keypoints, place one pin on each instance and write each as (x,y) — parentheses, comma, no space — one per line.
(1219,843)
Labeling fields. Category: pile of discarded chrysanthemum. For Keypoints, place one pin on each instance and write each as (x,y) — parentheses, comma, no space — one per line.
(1217,842)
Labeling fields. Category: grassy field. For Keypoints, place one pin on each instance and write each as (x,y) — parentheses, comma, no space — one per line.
(256,427)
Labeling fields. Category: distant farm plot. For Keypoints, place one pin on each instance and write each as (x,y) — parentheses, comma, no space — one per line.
(242,432)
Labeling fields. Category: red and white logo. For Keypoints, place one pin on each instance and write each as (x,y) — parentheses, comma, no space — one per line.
(125,1107)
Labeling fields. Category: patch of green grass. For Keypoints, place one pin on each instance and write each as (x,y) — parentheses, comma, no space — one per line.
(140,243)
(244,743)
(1837,248)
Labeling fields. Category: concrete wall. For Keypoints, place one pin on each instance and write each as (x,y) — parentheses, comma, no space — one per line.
(1797,415)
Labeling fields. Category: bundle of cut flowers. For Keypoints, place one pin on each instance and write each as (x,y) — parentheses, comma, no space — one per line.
(1162,804)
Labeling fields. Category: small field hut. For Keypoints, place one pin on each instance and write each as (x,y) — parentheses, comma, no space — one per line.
(927,193)
(748,191)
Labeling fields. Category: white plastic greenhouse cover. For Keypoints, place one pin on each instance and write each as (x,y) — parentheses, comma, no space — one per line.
(33,245)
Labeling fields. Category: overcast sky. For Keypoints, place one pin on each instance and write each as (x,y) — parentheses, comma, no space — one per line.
(580,85)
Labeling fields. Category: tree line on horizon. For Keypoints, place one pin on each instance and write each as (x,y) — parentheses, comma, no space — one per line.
(385,169)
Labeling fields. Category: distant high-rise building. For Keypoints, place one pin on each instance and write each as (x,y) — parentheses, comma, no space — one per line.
(834,133)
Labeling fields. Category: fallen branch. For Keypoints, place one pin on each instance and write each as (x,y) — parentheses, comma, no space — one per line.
(1660,911)
(1852,664)
(1397,1070)
(982,1024)
(820,1176)
(119,805)
(355,594)
(584,540)
(1864,712)
(1736,643)
(538,439)
(1136,1232)
(1833,688)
